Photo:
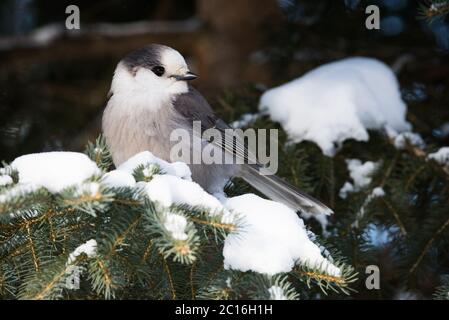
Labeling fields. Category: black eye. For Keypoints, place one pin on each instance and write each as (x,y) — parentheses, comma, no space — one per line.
(158,70)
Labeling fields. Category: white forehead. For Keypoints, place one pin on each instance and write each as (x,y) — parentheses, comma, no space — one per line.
(173,61)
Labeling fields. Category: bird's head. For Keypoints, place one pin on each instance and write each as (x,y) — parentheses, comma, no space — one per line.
(155,69)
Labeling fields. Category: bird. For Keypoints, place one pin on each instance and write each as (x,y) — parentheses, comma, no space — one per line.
(151,95)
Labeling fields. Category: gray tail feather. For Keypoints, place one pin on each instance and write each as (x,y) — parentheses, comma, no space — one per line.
(281,191)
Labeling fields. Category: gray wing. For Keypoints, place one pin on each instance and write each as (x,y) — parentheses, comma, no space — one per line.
(194,107)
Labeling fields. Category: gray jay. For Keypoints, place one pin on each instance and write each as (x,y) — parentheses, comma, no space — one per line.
(151,96)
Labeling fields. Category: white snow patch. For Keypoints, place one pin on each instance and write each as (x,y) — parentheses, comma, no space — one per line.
(90,188)
(347,188)
(338,101)
(229,282)
(118,178)
(245,120)
(17,191)
(54,171)
(321,218)
(410,138)
(5,180)
(176,225)
(276,293)
(360,174)
(168,190)
(377,192)
(179,169)
(149,170)
(89,248)
(441,156)
(273,239)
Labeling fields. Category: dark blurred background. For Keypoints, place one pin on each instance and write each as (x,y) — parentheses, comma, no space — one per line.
(54,82)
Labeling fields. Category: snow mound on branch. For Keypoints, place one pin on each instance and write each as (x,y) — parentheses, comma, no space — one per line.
(179,169)
(276,293)
(441,156)
(273,238)
(89,248)
(168,190)
(338,101)
(272,241)
(176,225)
(118,178)
(401,140)
(245,120)
(5,180)
(360,174)
(17,191)
(56,170)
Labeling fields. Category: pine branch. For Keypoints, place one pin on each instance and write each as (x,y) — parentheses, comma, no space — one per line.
(442,292)
(50,281)
(336,283)
(433,9)
(427,246)
(145,250)
(104,282)
(183,249)
(99,153)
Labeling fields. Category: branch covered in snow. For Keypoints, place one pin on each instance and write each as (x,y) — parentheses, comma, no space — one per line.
(148,217)
(338,101)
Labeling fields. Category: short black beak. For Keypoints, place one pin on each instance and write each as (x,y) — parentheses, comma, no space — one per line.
(187,77)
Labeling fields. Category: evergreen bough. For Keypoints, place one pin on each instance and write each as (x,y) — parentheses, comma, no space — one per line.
(136,257)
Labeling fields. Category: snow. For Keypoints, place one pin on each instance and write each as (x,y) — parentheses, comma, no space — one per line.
(276,293)
(168,190)
(441,156)
(338,101)
(411,138)
(179,169)
(89,248)
(273,240)
(149,171)
(377,192)
(270,229)
(347,188)
(17,191)
(360,174)
(88,188)
(5,180)
(54,171)
(118,178)
(321,218)
(176,225)
(245,120)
